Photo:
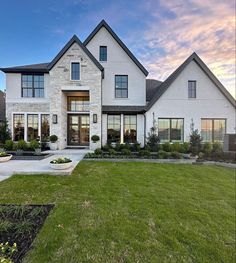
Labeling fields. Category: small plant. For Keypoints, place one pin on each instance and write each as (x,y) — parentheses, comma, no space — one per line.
(163,154)
(207,148)
(98,151)
(112,152)
(34,145)
(95,138)
(175,147)
(126,152)
(153,139)
(5,226)
(4,132)
(6,252)
(175,155)
(61,160)
(3,154)
(106,147)
(9,145)
(184,147)
(217,150)
(195,142)
(22,145)
(144,153)
(53,138)
(166,147)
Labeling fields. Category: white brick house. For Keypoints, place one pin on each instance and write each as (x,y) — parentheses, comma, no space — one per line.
(99,88)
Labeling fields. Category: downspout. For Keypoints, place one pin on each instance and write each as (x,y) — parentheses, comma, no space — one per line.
(144,115)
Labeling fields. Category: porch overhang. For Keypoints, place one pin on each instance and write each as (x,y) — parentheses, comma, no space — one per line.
(123,109)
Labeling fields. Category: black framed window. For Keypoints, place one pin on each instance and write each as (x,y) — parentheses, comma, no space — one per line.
(78,103)
(121,86)
(113,128)
(192,86)
(171,129)
(213,130)
(45,127)
(18,127)
(75,71)
(32,86)
(103,53)
(32,127)
(130,128)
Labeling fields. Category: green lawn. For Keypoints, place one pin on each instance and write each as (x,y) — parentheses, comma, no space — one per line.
(131,212)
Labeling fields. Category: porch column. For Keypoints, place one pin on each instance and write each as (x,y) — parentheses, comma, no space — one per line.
(122,128)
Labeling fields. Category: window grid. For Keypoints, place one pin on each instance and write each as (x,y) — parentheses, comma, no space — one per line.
(103,53)
(32,127)
(18,127)
(113,128)
(32,86)
(75,71)
(130,128)
(213,130)
(121,86)
(45,127)
(171,129)
(192,89)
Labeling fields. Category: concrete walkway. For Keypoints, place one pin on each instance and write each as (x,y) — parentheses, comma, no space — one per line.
(41,166)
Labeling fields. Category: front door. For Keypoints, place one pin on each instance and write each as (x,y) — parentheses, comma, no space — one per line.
(78,129)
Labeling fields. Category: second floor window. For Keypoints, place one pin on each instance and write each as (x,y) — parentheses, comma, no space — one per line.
(75,71)
(121,86)
(103,53)
(192,89)
(32,86)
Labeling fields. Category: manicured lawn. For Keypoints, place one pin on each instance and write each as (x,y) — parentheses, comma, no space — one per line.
(131,212)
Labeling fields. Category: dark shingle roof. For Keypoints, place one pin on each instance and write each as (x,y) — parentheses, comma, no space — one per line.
(194,57)
(151,87)
(123,109)
(41,68)
(103,23)
(2,106)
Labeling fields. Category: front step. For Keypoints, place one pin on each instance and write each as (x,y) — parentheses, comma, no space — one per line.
(77,147)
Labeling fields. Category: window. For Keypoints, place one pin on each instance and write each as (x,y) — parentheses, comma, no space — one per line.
(32,86)
(78,103)
(121,86)
(103,53)
(45,127)
(192,89)
(171,130)
(213,130)
(75,71)
(113,128)
(130,129)
(18,127)
(32,127)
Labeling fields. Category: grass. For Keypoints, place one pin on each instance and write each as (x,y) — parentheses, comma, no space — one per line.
(131,212)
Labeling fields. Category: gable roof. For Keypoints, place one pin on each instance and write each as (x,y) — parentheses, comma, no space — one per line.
(40,68)
(73,40)
(194,57)
(103,23)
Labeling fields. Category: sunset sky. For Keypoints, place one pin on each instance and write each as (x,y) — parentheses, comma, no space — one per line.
(160,33)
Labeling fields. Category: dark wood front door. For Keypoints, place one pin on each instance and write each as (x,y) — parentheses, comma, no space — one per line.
(78,129)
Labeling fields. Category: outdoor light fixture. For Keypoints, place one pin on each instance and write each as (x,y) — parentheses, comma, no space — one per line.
(54,119)
(95,118)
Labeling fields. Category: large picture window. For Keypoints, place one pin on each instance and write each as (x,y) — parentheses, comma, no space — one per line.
(18,127)
(213,130)
(75,71)
(113,128)
(32,86)
(130,128)
(32,127)
(171,129)
(121,86)
(45,127)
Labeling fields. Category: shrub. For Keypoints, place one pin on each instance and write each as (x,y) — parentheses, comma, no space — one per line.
(166,147)
(112,151)
(195,142)
(4,132)
(201,155)
(217,150)
(207,148)
(163,154)
(9,145)
(53,138)
(135,147)
(145,153)
(153,139)
(175,147)
(95,138)
(61,160)
(106,147)
(184,147)
(98,151)
(126,152)
(34,145)
(176,155)
(22,145)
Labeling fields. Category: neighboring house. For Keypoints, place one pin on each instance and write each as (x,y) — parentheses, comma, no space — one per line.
(99,87)
(2,107)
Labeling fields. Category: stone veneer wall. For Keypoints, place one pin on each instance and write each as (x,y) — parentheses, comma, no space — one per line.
(90,80)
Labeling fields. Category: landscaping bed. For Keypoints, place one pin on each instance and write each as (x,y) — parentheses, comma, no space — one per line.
(29,156)
(20,224)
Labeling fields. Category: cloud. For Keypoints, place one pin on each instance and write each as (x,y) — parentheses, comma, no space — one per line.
(206,27)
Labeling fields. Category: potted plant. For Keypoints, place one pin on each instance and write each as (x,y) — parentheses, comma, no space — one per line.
(35,145)
(53,142)
(5,157)
(61,163)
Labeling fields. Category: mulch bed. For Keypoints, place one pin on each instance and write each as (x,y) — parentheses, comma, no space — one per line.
(20,224)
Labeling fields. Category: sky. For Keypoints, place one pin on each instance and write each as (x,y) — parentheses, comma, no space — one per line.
(160,33)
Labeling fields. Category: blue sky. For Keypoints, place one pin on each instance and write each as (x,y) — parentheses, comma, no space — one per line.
(162,34)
